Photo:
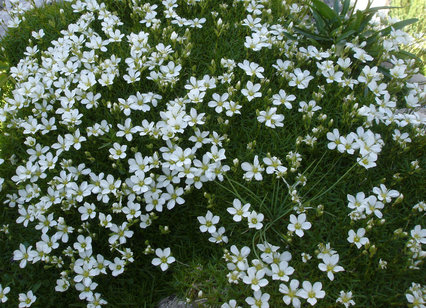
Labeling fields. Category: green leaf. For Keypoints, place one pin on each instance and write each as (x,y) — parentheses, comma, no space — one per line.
(324,10)
(311,35)
(399,25)
(355,22)
(345,8)
(289,36)
(4,66)
(336,6)
(36,287)
(372,39)
(365,22)
(3,79)
(319,21)
(345,35)
(105,145)
(385,72)
(408,54)
(378,8)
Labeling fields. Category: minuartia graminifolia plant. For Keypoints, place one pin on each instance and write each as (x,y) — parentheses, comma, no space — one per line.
(148,129)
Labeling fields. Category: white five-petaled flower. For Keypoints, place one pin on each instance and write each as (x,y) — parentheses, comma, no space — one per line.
(330,265)
(118,151)
(253,170)
(238,210)
(300,79)
(345,299)
(239,257)
(24,255)
(291,293)
(259,300)
(357,238)
(283,99)
(298,224)
(252,68)
(3,292)
(281,271)
(255,278)
(271,118)
(311,292)
(334,138)
(26,300)
(251,91)
(384,194)
(255,220)
(419,234)
(208,222)
(164,258)
(117,267)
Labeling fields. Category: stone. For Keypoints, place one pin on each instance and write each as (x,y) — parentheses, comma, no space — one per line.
(418,78)
(175,302)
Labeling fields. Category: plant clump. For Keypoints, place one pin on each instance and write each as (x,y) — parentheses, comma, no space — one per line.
(241,125)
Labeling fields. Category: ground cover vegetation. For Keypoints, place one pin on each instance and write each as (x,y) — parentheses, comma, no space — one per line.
(235,153)
(413,9)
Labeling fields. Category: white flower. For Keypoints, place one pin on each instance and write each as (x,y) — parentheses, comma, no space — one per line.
(334,137)
(3,292)
(24,255)
(164,258)
(419,234)
(86,290)
(300,79)
(345,298)
(208,222)
(259,300)
(253,170)
(238,211)
(359,202)
(291,293)
(252,69)
(231,304)
(367,161)
(83,243)
(312,292)
(218,236)
(382,264)
(255,220)
(271,118)
(26,300)
(283,98)
(330,265)
(255,278)
(88,210)
(62,285)
(239,258)
(384,194)
(298,224)
(305,257)
(117,267)
(120,233)
(251,91)
(281,271)
(357,238)
(126,130)
(118,151)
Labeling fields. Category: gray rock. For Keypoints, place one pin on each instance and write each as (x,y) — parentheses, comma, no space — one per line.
(418,78)
(174,302)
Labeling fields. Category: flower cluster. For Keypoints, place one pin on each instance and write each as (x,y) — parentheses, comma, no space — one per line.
(117,130)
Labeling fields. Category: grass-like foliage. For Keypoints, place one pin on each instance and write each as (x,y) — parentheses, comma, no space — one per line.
(255,153)
(407,9)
